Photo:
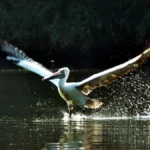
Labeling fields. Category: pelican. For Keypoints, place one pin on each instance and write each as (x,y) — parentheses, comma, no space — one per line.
(74,93)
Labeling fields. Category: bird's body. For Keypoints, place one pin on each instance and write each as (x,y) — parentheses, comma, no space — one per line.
(73,93)
(70,94)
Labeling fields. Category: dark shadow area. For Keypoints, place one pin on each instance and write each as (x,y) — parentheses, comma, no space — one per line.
(77,34)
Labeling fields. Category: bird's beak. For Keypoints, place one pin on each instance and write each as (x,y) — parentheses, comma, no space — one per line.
(55,75)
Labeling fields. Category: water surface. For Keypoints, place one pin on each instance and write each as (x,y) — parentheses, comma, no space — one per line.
(34,117)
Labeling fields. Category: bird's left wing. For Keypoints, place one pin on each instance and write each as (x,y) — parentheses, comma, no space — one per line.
(108,76)
(19,58)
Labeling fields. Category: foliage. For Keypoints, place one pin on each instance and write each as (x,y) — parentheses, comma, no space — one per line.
(82,28)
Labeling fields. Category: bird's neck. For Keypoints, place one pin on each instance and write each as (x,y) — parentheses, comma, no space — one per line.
(62,82)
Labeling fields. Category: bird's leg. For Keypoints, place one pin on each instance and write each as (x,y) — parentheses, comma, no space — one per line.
(70,108)
(70,113)
(84,112)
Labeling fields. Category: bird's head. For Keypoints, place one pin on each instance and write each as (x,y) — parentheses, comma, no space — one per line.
(61,73)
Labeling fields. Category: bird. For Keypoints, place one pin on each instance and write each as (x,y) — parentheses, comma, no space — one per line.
(74,93)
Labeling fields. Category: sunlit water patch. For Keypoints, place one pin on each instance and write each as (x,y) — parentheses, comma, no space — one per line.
(75,117)
(96,133)
(74,134)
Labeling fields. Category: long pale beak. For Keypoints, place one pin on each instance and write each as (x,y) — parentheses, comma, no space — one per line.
(55,75)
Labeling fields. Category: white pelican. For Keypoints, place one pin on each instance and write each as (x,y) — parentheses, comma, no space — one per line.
(73,93)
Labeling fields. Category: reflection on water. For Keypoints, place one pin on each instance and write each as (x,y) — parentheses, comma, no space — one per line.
(33,117)
(87,134)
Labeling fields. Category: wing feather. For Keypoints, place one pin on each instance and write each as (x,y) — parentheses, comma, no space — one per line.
(19,58)
(108,76)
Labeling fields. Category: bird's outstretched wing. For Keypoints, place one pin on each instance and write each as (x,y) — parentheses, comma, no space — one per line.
(108,76)
(19,58)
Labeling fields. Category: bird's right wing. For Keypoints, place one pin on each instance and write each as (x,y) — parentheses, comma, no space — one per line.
(19,58)
(108,76)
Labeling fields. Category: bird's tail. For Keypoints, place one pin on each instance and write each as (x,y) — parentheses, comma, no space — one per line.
(93,103)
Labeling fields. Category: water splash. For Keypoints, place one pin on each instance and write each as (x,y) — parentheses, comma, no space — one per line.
(74,117)
(128,96)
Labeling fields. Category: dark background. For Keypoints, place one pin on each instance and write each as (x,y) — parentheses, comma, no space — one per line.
(78,34)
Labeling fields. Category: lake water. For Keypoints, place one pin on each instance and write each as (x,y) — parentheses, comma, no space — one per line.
(34,117)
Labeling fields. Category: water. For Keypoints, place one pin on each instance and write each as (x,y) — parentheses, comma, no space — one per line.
(34,117)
